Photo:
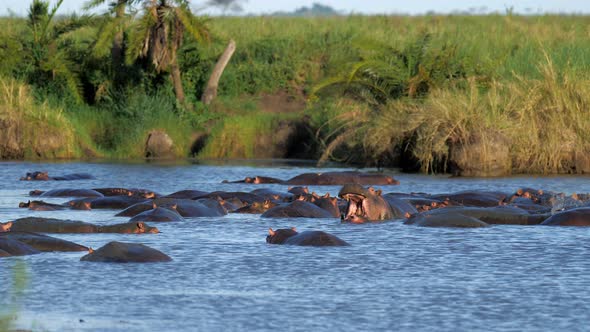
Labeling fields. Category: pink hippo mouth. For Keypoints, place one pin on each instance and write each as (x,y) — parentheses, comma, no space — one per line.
(355,210)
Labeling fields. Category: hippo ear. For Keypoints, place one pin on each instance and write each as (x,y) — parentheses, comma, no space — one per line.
(271,232)
(289,188)
(379,192)
(327,195)
(87,205)
(154,205)
(174,207)
(293,229)
(90,250)
(140,225)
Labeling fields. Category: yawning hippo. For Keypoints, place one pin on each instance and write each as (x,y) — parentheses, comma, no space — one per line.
(307,238)
(365,204)
(121,252)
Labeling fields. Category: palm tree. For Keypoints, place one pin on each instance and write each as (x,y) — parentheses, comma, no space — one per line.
(111,32)
(49,61)
(158,34)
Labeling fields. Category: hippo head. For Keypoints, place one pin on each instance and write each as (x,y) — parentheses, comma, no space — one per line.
(36,192)
(364,204)
(298,190)
(280,235)
(5,227)
(36,176)
(81,205)
(24,205)
(143,228)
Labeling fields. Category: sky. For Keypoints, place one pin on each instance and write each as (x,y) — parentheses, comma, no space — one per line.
(414,7)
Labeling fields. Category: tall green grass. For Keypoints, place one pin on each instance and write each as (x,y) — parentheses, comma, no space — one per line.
(543,121)
(30,129)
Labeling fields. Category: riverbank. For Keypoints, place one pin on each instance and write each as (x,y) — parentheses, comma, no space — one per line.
(468,95)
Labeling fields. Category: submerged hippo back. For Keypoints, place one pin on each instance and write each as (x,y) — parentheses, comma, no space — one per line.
(297,209)
(50,225)
(315,238)
(43,242)
(575,217)
(16,248)
(120,252)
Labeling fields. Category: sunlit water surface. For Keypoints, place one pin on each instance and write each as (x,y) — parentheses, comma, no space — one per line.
(224,277)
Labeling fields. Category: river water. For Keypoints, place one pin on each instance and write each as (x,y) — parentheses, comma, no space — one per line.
(224,277)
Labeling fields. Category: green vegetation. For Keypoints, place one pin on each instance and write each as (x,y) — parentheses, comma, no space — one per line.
(380,90)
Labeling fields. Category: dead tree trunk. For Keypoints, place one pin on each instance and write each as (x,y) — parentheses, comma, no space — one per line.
(211,88)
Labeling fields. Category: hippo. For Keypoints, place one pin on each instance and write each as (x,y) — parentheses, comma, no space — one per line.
(4,253)
(213,208)
(307,238)
(5,226)
(273,195)
(325,202)
(41,206)
(44,176)
(365,204)
(256,207)
(121,252)
(256,180)
(110,202)
(445,220)
(16,248)
(298,190)
(49,225)
(36,192)
(296,209)
(158,214)
(326,179)
(498,215)
(44,206)
(574,217)
(71,193)
(473,198)
(341,178)
(528,204)
(185,207)
(400,207)
(187,194)
(43,242)
(141,193)
(243,197)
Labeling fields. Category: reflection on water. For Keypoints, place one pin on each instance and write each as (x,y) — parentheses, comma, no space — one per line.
(224,275)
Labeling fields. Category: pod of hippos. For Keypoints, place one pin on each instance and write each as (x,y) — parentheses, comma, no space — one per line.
(356,203)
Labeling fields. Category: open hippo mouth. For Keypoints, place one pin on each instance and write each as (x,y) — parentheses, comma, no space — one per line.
(355,210)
